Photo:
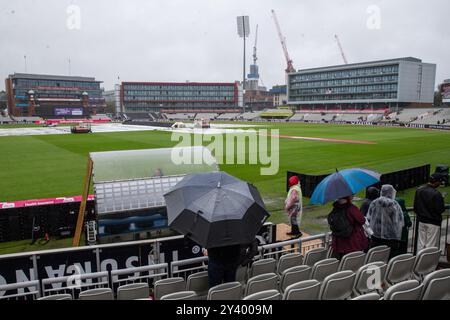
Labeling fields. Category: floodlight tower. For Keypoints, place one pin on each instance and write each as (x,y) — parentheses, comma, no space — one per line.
(243,28)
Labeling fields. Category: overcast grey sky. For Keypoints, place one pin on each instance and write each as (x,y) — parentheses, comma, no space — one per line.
(196,40)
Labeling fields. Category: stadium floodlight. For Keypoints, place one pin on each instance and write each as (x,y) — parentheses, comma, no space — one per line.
(243,28)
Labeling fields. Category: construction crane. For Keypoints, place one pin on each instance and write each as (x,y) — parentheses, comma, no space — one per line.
(290,67)
(340,48)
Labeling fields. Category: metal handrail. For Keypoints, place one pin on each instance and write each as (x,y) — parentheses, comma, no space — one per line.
(20,285)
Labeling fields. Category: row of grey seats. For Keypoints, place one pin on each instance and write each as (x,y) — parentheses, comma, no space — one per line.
(289,269)
(266,274)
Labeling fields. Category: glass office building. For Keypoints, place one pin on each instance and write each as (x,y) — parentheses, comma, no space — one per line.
(53,96)
(139,97)
(404,82)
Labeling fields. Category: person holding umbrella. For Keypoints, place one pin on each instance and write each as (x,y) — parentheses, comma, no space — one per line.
(220,213)
(293,206)
(345,220)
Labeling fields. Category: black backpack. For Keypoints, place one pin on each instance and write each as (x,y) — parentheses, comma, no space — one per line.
(339,224)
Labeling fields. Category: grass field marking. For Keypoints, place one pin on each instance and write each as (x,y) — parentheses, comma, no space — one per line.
(325,139)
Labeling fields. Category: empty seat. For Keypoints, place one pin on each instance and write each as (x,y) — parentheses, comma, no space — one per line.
(426,262)
(226,291)
(399,268)
(304,290)
(294,275)
(324,268)
(264,295)
(133,291)
(369,278)
(261,282)
(168,285)
(63,296)
(198,282)
(352,261)
(368,296)
(314,255)
(406,290)
(181,295)
(262,266)
(380,253)
(96,294)
(288,261)
(337,286)
(436,285)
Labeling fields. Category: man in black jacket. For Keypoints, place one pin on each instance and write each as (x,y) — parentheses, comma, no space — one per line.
(429,206)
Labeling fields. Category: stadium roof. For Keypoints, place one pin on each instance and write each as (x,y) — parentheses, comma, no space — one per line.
(352,65)
(51,77)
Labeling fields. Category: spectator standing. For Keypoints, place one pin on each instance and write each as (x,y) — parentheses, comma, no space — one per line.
(294,206)
(429,206)
(405,230)
(386,220)
(222,264)
(371,194)
(346,223)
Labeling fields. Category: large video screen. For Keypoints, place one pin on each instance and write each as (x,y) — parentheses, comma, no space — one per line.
(445,91)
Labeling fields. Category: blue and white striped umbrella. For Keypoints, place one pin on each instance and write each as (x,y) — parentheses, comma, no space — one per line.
(342,184)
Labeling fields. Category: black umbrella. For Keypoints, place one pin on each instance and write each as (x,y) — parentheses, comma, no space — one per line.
(215,209)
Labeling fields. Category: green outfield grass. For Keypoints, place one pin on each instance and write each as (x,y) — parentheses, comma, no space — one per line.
(54,165)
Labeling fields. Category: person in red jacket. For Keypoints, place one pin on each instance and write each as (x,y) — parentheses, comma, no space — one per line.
(357,241)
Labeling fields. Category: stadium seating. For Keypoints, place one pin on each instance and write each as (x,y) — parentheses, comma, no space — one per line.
(436,285)
(297,117)
(294,275)
(337,286)
(368,296)
(63,296)
(96,294)
(380,253)
(264,295)
(406,290)
(287,261)
(372,271)
(262,266)
(314,255)
(168,285)
(352,261)
(181,295)
(324,268)
(226,291)
(133,291)
(399,268)
(207,116)
(285,276)
(304,290)
(262,282)
(426,262)
(198,282)
(228,116)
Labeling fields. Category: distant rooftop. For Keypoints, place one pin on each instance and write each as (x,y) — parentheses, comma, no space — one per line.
(352,65)
(50,77)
